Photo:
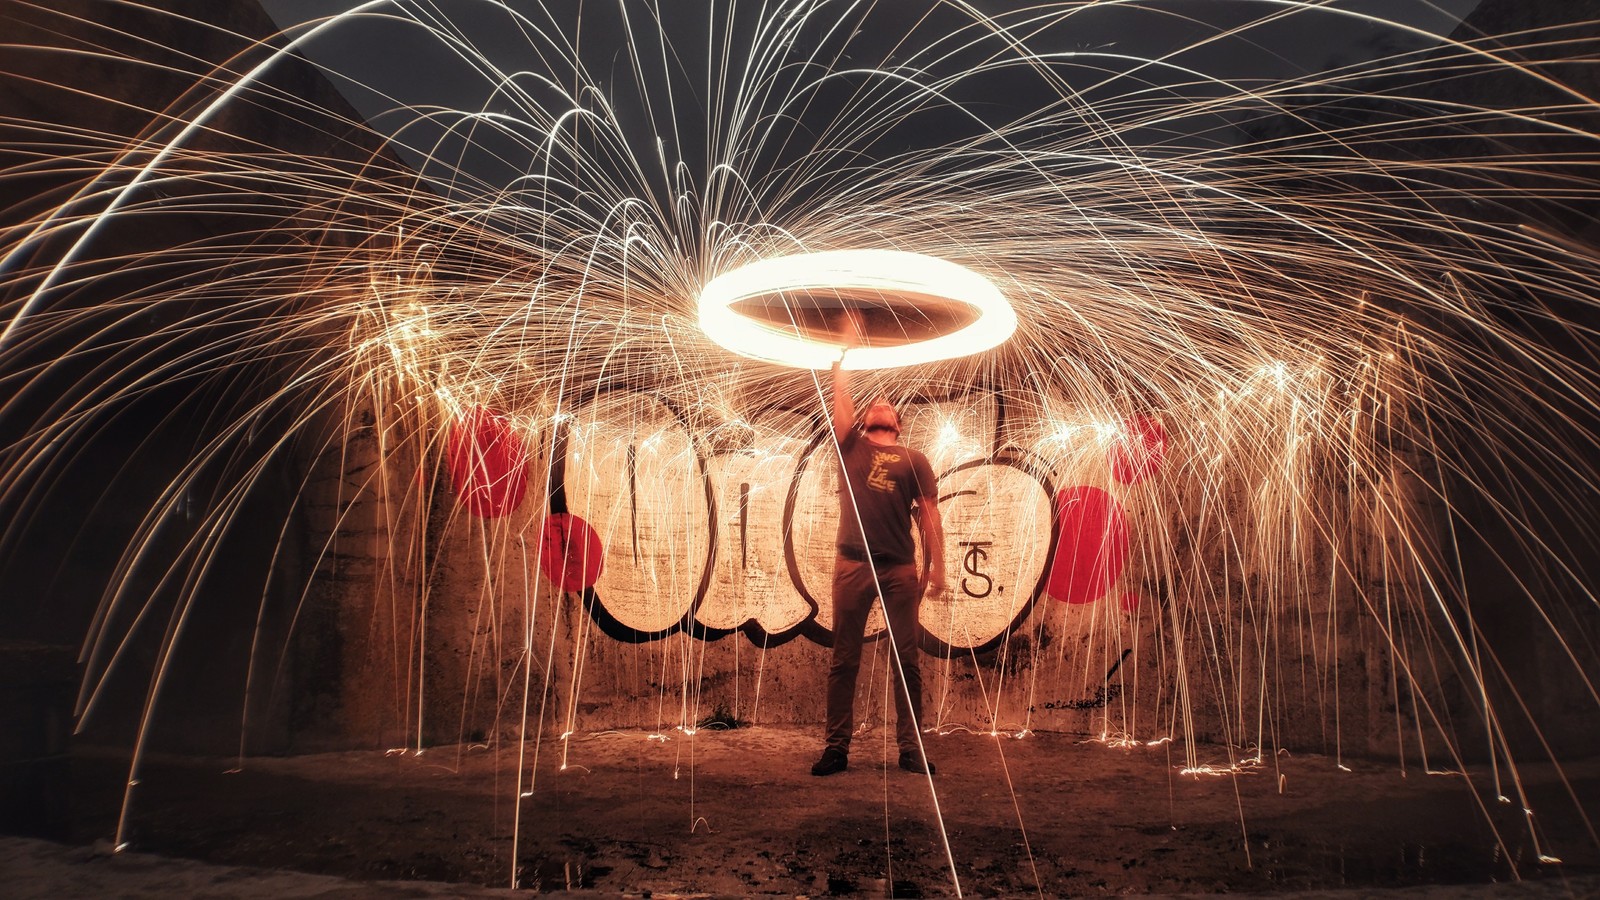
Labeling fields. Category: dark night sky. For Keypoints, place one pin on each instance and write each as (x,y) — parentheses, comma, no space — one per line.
(391,67)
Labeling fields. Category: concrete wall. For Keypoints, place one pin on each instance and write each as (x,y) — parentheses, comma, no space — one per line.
(161,513)
(1265,624)
(396,615)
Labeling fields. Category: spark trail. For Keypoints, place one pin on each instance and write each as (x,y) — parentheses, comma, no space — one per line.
(1357,296)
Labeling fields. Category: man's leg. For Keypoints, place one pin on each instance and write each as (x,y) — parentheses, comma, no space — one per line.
(853,593)
(902,601)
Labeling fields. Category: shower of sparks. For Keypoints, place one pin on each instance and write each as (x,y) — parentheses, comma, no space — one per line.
(1349,299)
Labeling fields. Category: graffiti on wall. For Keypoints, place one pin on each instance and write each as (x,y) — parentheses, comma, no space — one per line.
(662,534)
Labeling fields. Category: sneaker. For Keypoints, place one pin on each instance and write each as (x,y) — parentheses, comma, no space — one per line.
(833,761)
(912,761)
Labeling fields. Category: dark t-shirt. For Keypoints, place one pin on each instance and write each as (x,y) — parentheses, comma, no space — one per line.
(883,481)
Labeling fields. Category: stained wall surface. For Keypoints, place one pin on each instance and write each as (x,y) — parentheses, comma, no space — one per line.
(425,588)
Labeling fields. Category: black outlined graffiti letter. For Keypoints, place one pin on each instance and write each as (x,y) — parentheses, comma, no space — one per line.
(972,560)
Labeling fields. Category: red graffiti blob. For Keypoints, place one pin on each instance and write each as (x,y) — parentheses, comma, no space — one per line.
(1092,548)
(1139,452)
(570,553)
(488,463)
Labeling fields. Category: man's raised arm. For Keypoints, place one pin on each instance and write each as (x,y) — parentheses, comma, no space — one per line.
(844,408)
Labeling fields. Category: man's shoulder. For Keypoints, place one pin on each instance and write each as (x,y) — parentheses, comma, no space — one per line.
(922,468)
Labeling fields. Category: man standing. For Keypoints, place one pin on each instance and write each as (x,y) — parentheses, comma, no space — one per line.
(880,483)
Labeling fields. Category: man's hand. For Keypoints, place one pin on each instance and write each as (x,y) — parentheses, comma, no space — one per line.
(932,543)
(851,328)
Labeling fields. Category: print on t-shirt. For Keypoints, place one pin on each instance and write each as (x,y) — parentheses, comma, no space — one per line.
(878,479)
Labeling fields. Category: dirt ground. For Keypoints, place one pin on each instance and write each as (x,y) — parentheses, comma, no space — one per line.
(736,812)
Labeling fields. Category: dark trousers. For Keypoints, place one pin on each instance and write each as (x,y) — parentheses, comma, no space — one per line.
(853,593)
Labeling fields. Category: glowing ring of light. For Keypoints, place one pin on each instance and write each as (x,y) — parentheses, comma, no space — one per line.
(887,272)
